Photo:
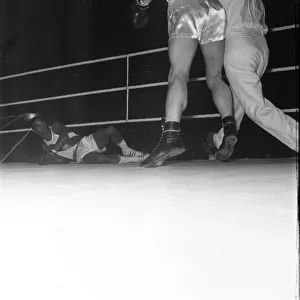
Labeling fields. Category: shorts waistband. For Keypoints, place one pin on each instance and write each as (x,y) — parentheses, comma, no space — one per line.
(243,28)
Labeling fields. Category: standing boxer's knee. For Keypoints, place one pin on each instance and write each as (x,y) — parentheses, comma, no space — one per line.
(212,80)
(181,74)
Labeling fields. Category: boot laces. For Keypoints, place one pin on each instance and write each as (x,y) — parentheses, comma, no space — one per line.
(162,136)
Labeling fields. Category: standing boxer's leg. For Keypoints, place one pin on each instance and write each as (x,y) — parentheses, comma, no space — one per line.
(181,54)
(214,140)
(213,54)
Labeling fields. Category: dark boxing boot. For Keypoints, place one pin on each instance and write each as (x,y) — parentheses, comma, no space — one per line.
(229,140)
(170,145)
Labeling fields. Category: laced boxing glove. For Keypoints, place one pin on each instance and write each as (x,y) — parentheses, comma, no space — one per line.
(48,159)
(139,14)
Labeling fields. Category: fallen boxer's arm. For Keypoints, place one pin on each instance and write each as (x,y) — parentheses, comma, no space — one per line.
(62,131)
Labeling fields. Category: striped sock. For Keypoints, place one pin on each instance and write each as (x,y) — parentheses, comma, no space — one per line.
(127,151)
(134,159)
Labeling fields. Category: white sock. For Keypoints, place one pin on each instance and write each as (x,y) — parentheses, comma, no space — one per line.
(143,2)
(127,151)
(134,159)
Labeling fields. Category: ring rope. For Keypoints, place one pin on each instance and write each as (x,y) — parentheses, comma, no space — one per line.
(87,62)
(288,110)
(10,122)
(133,87)
(6,117)
(14,147)
(127,88)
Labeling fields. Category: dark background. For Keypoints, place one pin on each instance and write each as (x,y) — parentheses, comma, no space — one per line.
(36,34)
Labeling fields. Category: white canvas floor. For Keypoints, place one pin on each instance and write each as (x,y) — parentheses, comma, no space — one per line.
(196,230)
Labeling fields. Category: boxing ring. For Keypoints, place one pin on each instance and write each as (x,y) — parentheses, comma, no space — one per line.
(190,230)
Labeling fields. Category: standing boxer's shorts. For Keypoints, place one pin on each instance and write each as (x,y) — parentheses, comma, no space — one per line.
(204,20)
